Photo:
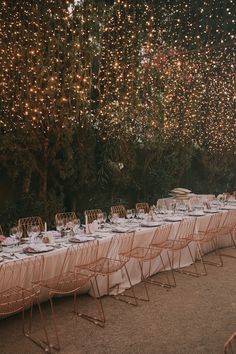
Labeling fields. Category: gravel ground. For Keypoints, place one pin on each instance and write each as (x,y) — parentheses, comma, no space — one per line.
(196,317)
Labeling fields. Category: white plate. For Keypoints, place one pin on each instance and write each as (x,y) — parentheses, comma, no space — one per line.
(199,213)
(151,223)
(38,249)
(173,218)
(122,229)
(9,242)
(12,249)
(80,239)
(211,211)
(228,208)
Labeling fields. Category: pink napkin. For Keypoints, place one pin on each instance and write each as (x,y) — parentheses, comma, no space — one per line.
(2,238)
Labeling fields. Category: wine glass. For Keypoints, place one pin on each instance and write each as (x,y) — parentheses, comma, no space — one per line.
(33,231)
(129,214)
(60,225)
(15,234)
(141,213)
(76,226)
(115,218)
(100,218)
(104,217)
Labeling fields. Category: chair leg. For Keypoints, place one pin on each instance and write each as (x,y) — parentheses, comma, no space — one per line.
(57,346)
(150,280)
(100,320)
(171,267)
(124,296)
(223,254)
(43,344)
(143,280)
(215,250)
(199,252)
(189,272)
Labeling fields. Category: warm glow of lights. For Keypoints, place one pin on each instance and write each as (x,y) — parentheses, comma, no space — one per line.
(147,72)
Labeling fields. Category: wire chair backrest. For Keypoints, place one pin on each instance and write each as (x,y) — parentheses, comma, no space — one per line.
(144,206)
(119,209)
(214,222)
(25,223)
(25,273)
(1,231)
(66,217)
(161,235)
(92,214)
(80,255)
(76,255)
(230,219)
(121,245)
(186,229)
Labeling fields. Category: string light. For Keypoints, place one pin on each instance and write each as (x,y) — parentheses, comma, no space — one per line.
(147,72)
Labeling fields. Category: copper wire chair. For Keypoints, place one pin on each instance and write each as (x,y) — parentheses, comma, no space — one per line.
(209,236)
(116,260)
(19,290)
(66,217)
(119,209)
(228,227)
(144,206)
(230,345)
(69,280)
(183,237)
(148,254)
(92,214)
(25,223)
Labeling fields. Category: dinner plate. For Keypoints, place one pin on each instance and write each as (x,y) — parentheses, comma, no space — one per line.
(196,214)
(38,249)
(228,208)
(211,211)
(173,218)
(150,224)
(122,229)
(79,240)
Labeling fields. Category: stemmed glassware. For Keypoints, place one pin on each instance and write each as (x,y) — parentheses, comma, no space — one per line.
(104,217)
(33,232)
(141,213)
(60,225)
(129,214)
(76,226)
(15,234)
(100,219)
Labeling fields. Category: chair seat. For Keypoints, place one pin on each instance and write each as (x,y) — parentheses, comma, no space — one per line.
(173,244)
(15,299)
(204,237)
(104,266)
(143,253)
(66,283)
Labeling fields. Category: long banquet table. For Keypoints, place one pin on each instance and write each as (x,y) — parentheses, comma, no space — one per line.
(142,238)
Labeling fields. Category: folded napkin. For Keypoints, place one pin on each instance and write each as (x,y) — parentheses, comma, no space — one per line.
(2,238)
